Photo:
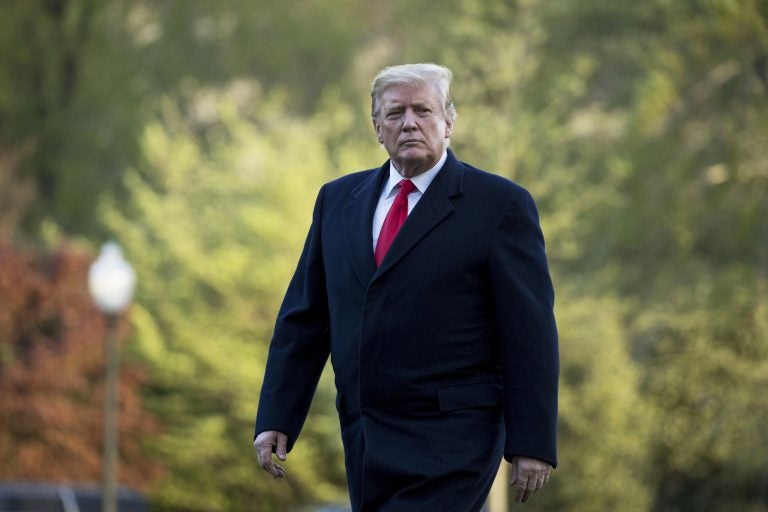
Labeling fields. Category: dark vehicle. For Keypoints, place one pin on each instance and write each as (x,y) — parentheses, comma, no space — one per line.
(45,497)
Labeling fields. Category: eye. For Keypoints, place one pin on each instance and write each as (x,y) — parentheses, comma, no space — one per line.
(394,114)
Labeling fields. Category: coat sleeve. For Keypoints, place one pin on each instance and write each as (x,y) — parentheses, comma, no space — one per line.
(523,299)
(300,344)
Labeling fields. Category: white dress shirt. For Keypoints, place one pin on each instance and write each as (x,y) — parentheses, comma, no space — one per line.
(390,190)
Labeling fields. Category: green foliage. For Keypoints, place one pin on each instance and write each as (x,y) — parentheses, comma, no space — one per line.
(79,79)
(710,367)
(66,95)
(604,426)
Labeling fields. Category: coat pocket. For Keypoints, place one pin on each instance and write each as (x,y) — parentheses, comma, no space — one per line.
(468,396)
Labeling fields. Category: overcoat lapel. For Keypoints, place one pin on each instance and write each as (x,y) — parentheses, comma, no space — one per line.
(358,217)
(434,206)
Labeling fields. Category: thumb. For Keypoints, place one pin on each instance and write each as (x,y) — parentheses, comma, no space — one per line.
(282,443)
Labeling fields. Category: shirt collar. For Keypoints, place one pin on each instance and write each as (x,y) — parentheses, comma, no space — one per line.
(421,182)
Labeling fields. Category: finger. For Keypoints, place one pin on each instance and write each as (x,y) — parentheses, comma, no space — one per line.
(512,474)
(529,491)
(282,443)
(520,488)
(265,457)
(278,471)
(274,469)
(264,452)
(535,483)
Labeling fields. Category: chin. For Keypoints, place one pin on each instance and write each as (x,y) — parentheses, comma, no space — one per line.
(413,155)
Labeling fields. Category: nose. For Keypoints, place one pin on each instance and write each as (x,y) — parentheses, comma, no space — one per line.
(409,120)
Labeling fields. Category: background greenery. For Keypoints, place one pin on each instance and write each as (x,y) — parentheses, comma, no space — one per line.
(196,133)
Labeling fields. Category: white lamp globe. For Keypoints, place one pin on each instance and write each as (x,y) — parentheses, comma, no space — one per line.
(111,280)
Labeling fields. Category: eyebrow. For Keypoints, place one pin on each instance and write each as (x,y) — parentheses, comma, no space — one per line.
(391,105)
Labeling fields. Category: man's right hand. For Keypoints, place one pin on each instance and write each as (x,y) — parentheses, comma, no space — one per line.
(264,444)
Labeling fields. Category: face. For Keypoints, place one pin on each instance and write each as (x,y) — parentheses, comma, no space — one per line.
(413,127)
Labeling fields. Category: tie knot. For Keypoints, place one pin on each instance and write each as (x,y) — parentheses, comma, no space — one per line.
(406,187)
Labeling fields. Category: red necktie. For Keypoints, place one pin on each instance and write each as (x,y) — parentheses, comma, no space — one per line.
(394,220)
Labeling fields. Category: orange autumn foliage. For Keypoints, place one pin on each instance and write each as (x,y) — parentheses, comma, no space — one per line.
(52,376)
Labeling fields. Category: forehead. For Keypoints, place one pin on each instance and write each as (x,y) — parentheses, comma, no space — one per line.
(400,94)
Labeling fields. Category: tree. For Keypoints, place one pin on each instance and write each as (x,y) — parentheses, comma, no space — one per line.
(51,376)
(66,72)
(79,80)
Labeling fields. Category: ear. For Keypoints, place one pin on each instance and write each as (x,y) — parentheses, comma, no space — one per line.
(448,128)
(377,127)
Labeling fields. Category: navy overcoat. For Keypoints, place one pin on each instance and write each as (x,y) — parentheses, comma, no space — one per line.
(445,357)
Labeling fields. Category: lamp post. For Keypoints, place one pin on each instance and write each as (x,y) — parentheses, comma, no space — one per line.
(111,282)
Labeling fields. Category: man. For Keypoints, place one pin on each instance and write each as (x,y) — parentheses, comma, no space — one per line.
(427,283)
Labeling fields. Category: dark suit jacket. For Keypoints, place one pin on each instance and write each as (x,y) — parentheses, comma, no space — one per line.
(445,357)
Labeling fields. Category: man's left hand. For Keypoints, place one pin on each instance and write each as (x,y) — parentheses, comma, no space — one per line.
(528,476)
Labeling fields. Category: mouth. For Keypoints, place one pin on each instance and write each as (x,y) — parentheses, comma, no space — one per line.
(410,142)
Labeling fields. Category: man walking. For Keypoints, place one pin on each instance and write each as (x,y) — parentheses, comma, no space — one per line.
(426,282)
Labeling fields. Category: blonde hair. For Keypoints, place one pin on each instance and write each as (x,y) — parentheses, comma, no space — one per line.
(410,74)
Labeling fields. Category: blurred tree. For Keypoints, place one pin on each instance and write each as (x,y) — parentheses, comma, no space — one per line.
(605,422)
(16,194)
(66,94)
(51,377)
(80,78)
